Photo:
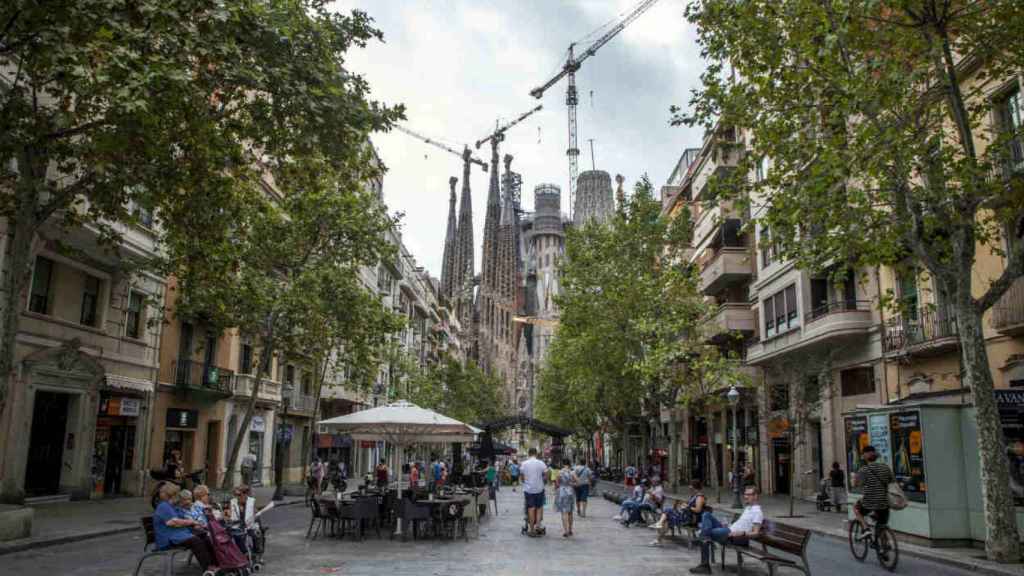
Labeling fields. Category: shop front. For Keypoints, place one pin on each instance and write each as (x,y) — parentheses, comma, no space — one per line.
(932,449)
(114,447)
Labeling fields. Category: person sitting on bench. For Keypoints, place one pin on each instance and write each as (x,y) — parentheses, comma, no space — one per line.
(738,533)
(680,515)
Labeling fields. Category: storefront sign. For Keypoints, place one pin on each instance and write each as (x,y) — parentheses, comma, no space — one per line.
(177,418)
(908,454)
(777,427)
(367,444)
(856,440)
(1011,416)
(257,424)
(878,431)
(121,406)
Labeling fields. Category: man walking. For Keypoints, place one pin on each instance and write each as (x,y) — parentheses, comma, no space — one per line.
(874,479)
(583,474)
(739,532)
(534,474)
(248,467)
(513,471)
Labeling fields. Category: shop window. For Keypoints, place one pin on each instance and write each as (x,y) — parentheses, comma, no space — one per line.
(39,299)
(90,300)
(133,315)
(857,381)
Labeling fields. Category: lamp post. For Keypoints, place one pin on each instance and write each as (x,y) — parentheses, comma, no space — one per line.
(734,400)
(283,439)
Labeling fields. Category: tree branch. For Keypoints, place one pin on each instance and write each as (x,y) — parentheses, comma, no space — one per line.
(1014,269)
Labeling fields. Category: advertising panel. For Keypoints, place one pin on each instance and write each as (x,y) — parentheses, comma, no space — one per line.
(908,454)
(856,439)
(878,431)
(1011,416)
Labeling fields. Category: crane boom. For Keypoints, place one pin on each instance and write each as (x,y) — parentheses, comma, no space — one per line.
(499,133)
(444,147)
(571,66)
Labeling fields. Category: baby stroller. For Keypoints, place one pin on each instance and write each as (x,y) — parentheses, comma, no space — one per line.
(229,559)
(823,500)
(526,522)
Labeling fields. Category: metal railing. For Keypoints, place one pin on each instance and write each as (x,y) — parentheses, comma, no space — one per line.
(836,307)
(244,383)
(302,403)
(904,331)
(1009,310)
(191,374)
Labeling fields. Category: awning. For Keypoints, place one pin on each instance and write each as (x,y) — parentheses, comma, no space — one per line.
(128,383)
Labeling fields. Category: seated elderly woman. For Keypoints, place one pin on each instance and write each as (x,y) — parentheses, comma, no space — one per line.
(172,530)
(196,504)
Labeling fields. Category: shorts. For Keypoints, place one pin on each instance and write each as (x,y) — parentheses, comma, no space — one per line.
(583,492)
(881,516)
(534,500)
(629,481)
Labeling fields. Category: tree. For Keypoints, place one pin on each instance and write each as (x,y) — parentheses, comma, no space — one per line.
(629,305)
(109,107)
(464,392)
(874,116)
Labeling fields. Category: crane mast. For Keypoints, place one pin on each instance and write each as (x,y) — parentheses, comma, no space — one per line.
(571,66)
(444,147)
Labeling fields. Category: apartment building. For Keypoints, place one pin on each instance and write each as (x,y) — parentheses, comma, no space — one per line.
(86,364)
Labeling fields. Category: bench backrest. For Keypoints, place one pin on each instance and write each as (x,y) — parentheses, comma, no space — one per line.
(784,537)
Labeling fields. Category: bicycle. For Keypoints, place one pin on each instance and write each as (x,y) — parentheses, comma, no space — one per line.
(880,538)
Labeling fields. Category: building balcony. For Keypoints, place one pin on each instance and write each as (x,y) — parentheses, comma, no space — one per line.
(302,404)
(202,377)
(269,391)
(927,333)
(723,267)
(838,319)
(734,319)
(1008,313)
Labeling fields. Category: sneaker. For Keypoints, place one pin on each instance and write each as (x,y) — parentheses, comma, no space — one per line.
(656,526)
(701,569)
(655,543)
(866,535)
(617,517)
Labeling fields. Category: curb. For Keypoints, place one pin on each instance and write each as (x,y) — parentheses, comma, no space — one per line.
(29,544)
(912,551)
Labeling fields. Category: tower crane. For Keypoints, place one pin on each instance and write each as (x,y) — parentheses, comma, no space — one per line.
(464,154)
(499,133)
(572,64)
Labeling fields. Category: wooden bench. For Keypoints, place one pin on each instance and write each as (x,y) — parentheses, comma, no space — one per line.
(781,545)
(149,550)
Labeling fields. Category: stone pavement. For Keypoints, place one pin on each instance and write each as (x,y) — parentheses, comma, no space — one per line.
(64,522)
(834,525)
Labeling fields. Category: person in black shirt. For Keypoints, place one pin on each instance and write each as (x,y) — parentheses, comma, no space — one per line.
(837,485)
(874,479)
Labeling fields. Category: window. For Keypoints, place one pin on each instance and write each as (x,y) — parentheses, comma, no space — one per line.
(906,284)
(144,215)
(245,364)
(289,375)
(857,381)
(90,300)
(780,312)
(133,315)
(761,169)
(307,383)
(1009,111)
(764,243)
(39,299)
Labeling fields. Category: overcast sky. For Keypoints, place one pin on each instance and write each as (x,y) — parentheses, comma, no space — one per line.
(460,65)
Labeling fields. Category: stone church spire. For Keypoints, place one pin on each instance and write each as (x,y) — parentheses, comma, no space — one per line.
(489,260)
(450,244)
(463,262)
(508,251)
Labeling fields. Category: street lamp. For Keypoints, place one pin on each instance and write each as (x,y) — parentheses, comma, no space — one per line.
(284,438)
(734,400)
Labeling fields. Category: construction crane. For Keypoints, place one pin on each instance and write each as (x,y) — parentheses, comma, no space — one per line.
(571,66)
(499,133)
(445,147)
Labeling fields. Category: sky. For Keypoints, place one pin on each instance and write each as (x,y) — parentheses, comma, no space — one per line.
(459,66)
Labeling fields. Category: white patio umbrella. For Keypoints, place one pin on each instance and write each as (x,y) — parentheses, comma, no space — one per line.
(402,423)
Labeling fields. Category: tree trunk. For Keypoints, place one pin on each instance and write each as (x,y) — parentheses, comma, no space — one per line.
(712,462)
(1002,543)
(240,436)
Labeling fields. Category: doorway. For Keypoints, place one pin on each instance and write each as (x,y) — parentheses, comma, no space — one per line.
(46,443)
(782,465)
(256,447)
(212,461)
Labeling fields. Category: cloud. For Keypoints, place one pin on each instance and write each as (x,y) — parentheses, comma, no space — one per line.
(460,65)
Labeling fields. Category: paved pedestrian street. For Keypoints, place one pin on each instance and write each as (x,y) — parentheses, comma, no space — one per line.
(601,547)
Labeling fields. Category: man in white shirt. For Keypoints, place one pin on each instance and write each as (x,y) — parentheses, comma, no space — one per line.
(534,473)
(747,526)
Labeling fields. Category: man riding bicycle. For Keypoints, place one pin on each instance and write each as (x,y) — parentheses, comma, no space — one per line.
(873,478)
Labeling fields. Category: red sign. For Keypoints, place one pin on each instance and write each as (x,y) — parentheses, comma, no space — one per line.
(367,444)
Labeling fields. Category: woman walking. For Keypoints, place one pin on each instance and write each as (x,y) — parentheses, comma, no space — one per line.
(565,496)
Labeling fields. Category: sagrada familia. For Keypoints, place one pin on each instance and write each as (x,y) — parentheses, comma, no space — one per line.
(508,312)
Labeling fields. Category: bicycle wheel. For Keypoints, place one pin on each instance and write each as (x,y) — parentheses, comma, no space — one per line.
(858,545)
(888,550)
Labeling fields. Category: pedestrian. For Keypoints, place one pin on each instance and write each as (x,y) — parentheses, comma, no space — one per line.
(682,515)
(414,475)
(317,472)
(534,474)
(565,495)
(749,478)
(630,475)
(873,479)
(381,473)
(739,532)
(513,471)
(248,468)
(584,474)
(837,486)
